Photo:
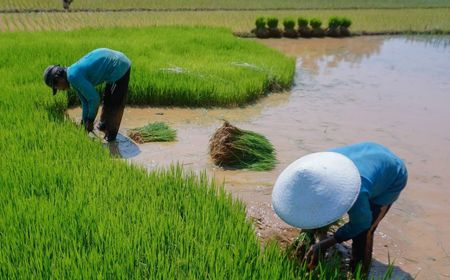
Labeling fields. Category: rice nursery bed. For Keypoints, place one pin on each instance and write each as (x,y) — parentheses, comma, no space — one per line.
(69,210)
(170,65)
(231,147)
(153,132)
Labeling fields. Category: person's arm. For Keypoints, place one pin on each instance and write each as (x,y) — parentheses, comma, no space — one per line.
(84,106)
(360,219)
(312,256)
(89,94)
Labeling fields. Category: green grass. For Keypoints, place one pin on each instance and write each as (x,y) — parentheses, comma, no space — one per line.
(153,132)
(225,4)
(170,66)
(370,20)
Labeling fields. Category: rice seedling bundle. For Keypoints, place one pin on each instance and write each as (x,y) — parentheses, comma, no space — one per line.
(237,148)
(153,132)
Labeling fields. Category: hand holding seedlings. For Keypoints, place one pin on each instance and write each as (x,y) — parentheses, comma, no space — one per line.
(312,256)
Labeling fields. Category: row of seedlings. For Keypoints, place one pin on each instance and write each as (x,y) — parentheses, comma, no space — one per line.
(337,27)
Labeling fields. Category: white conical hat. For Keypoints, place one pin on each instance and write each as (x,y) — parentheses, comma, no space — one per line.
(316,190)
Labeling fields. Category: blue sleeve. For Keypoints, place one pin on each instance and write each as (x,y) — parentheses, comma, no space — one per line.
(84,106)
(88,92)
(360,219)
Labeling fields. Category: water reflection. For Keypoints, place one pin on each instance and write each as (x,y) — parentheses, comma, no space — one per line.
(313,52)
(437,42)
(123,147)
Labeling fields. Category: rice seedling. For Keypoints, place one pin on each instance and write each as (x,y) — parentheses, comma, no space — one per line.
(289,28)
(153,132)
(261,30)
(316,25)
(274,31)
(232,147)
(272,22)
(334,24)
(345,24)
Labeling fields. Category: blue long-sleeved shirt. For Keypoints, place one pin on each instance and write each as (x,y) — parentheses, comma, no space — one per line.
(383,177)
(98,66)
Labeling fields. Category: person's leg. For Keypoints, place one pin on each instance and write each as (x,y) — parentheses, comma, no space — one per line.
(358,249)
(106,104)
(119,94)
(363,244)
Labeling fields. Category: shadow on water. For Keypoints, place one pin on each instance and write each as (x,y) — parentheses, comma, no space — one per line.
(123,147)
(378,270)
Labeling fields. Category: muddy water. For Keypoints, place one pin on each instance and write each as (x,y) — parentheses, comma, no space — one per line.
(395,91)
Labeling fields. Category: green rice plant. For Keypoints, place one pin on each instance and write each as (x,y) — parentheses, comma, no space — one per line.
(153,132)
(232,147)
(274,31)
(317,30)
(345,22)
(302,22)
(289,31)
(315,23)
(173,65)
(272,22)
(260,22)
(334,22)
(288,23)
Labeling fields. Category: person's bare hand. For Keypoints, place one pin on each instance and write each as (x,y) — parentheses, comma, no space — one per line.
(312,256)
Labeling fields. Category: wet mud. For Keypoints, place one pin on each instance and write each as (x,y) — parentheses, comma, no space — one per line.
(394,91)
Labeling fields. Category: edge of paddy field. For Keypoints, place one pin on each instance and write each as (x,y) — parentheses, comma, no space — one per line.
(372,21)
(200,9)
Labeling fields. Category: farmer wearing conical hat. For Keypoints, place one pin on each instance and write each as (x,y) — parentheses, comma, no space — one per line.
(362,180)
(99,66)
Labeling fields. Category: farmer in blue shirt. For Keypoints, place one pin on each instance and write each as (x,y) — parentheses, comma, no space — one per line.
(98,66)
(362,180)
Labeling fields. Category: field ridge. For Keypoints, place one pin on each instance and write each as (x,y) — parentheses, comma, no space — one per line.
(100,10)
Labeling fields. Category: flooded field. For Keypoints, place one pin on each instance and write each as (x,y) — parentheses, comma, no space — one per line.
(395,91)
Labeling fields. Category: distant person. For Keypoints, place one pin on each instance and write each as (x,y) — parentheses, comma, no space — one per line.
(98,66)
(362,179)
(66,4)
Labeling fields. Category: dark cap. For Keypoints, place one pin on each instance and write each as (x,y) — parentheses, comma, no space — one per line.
(51,73)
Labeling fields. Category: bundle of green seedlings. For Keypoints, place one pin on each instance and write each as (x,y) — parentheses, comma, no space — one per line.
(232,147)
(153,132)
(337,27)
